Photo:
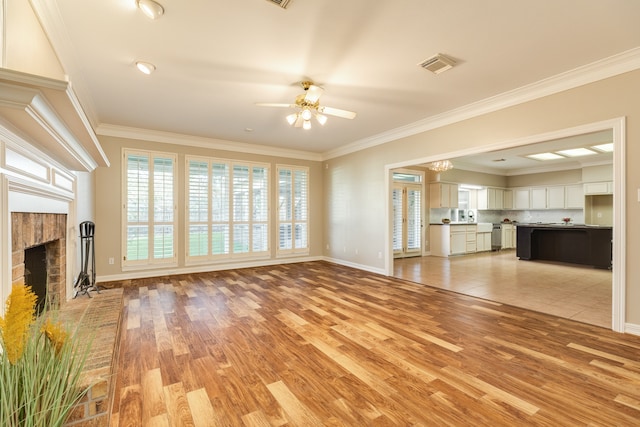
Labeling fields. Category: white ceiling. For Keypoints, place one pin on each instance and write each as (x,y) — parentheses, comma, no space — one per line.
(513,161)
(216,59)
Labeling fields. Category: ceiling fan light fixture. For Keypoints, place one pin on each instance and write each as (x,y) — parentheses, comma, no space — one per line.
(321,118)
(306,114)
(145,67)
(151,9)
(306,125)
(291,118)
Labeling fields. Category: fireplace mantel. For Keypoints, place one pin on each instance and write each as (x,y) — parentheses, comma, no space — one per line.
(46,113)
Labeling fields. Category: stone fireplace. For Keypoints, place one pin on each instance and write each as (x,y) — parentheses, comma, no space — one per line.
(29,230)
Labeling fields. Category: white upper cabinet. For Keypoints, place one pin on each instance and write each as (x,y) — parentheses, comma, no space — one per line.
(598,188)
(443,195)
(556,197)
(521,198)
(491,198)
(574,196)
(507,199)
(539,198)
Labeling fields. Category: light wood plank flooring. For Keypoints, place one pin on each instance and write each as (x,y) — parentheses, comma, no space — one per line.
(320,344)
(567,290)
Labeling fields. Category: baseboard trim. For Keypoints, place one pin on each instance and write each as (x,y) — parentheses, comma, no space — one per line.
(143,274)
(631,328)
(355,265)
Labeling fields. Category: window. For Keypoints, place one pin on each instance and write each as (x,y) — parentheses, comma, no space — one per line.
(227,209)
(293,210)
(149,208)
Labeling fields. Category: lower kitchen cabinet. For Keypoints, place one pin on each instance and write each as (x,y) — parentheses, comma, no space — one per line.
(454,239)
(508,239)
(458,238)
(483,242)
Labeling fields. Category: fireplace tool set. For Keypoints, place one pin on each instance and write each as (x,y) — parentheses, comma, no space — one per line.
(86,280)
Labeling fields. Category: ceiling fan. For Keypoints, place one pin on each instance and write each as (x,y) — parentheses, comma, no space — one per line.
(308,105)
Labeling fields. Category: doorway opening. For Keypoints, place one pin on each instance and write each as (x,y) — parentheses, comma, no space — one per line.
(616,127)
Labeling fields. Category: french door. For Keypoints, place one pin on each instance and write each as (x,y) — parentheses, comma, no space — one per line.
(407,220)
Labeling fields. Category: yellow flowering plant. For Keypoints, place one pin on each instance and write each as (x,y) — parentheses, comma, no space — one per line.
(40,365)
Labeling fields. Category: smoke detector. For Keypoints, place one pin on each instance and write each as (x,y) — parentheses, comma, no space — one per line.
(437,64)
(282,3)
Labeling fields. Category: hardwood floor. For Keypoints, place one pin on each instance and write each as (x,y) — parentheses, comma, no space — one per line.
(566,290)
(320,344)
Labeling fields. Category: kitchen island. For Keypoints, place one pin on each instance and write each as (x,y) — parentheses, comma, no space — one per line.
(578,244)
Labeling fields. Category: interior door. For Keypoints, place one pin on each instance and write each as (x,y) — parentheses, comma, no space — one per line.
(407,220)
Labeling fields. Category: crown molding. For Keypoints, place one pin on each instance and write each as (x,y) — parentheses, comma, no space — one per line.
(599,70)
(201,142)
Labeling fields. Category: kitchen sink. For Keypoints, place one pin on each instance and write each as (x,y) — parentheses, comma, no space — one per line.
(484,227)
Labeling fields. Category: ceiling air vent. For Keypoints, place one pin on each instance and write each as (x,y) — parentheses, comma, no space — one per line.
(437,64)
(282,3)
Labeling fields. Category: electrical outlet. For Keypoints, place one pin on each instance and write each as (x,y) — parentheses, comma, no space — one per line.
(356,252)
(379,255)
(111,260)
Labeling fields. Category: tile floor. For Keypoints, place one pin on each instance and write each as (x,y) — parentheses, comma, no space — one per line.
(564,290)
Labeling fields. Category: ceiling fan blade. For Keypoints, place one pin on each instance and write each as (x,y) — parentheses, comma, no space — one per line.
(268,104)
(313,94)
(337,112)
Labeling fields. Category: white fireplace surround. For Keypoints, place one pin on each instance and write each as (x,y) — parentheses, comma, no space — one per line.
(47,151)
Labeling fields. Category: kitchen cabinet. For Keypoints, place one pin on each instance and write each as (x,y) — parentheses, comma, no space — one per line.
(556,197)
(591,188)
(458,238)
(539,198)
(440,241)
(506,231)
(470,232)
(483,242)
(490,198)
(507,199)
(453,239)
(521,198)
(443,195)
(574,196)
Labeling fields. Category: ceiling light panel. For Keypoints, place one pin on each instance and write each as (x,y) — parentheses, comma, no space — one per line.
(545,156)
(604,148)
(576,152)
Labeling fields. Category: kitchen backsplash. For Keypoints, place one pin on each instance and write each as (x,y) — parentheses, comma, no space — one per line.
(524,216)
(533,216)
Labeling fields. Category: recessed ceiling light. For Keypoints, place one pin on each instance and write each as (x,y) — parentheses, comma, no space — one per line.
(544,156)
(145,67)
(576,152)
(605,148)
(151,9)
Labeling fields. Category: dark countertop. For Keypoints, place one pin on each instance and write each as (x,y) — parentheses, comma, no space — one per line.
(563,226)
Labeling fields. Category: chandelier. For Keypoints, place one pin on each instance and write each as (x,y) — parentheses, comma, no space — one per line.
(441,166)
